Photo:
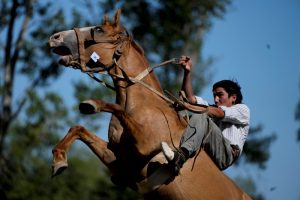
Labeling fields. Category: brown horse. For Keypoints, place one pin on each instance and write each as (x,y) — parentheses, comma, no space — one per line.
(141,119)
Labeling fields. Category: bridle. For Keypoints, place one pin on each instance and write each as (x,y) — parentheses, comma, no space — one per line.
(119,43)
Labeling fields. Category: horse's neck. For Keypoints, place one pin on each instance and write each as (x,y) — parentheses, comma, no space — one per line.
(133,63)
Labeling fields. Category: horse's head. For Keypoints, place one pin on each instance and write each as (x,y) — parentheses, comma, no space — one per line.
(81,47)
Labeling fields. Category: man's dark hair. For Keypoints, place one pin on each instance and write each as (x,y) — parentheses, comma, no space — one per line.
(231,87)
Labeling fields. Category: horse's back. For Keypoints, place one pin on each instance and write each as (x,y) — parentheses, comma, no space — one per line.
(201,179)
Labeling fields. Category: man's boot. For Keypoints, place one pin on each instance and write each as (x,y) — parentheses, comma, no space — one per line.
(176,159)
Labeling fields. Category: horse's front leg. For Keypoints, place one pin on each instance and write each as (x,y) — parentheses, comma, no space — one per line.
(128,123)
(97,145)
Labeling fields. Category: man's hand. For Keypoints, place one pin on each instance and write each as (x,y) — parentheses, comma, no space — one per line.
(215,112)
(186,62)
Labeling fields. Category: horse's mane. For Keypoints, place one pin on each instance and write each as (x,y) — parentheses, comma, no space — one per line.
(135,45)
(123,30)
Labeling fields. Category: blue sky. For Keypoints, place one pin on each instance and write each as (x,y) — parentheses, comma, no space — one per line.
(258,43)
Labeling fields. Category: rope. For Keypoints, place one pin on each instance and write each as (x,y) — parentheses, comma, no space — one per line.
(135,80)
(101,82)
(151,68)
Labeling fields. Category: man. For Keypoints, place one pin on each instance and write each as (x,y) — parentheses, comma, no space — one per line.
(221,131)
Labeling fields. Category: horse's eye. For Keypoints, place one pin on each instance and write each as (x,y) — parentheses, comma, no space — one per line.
(98,29)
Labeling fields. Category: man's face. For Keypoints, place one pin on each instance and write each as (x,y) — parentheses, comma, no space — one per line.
(222,98)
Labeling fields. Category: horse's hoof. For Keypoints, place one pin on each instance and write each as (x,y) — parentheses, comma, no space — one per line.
(58,168)
(88,107)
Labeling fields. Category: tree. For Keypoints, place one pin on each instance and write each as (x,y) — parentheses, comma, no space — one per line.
(31,119)
(256,148)
(20,58)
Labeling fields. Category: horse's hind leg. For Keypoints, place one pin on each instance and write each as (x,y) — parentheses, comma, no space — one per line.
(97,145)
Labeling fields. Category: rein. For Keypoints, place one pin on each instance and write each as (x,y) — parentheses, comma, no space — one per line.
(119,42)
(137,79)
(117,54)
(140,76)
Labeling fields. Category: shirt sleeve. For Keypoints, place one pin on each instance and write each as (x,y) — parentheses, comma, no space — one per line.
(201,101)
(236,114)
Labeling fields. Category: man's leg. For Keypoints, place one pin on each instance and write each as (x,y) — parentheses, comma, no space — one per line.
(201,130)
(218,148)
(191,141)
(193,135)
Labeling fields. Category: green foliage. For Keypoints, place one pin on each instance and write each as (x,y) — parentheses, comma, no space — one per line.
(256,148)
(90,90)
(37,118)
(27,173)
(28,146)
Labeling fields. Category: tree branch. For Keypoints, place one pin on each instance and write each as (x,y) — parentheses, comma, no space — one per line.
(8,72)
(24,98)
(9,67)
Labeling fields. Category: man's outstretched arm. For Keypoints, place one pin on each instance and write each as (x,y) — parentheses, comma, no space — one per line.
(186,64)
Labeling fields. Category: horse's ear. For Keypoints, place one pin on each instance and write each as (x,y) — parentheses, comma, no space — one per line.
(105,20)
(117,19)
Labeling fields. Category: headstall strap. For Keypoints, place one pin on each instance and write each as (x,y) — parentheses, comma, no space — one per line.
(80,41)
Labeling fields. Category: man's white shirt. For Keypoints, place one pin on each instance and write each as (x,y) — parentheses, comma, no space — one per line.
(235,124)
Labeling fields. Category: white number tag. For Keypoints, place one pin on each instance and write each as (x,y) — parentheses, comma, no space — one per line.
(95,57)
